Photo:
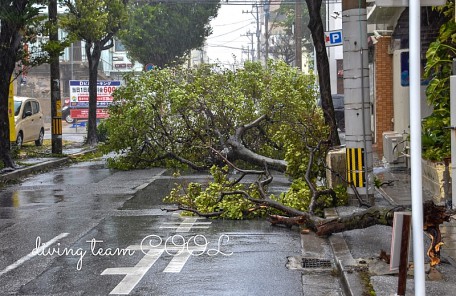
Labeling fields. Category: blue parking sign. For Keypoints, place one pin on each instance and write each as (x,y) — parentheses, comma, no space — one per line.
(333,38)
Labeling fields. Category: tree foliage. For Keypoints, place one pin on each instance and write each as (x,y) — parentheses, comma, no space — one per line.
(21,22)
(248,115)
(440,55)
(162,33)
(213,116)
(96,22)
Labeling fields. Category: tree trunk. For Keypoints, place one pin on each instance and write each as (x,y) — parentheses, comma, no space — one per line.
(243,153)
(316,28)
(93,52)
(10,42)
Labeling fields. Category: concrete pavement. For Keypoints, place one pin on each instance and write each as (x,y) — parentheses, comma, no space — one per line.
(357,252)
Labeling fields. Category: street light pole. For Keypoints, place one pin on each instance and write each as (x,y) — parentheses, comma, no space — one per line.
(56,103)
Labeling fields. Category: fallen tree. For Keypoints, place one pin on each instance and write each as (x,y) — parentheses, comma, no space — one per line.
(259,200)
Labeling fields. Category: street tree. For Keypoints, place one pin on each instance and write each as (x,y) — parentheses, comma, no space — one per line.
(316,28)
(313,37)
(163,33)
(95,22)
(21,22)
(439,68)
(283,47)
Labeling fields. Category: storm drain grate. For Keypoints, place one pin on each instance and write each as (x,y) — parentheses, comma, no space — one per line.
(316,263)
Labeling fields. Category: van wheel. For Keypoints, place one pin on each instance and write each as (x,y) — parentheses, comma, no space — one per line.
(39,141)
(19,140)
(68,119)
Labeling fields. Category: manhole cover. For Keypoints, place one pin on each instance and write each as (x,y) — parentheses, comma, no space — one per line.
(316,263)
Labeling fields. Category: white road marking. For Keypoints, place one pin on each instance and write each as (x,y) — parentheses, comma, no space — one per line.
(133,274)
(186,225)
(32,254)
(177,263)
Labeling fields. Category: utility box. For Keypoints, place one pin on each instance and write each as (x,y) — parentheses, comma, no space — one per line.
(394,148)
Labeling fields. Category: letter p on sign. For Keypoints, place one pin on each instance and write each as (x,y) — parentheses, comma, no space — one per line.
(333,38)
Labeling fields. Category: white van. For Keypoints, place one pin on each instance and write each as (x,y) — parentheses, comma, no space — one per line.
(29,121)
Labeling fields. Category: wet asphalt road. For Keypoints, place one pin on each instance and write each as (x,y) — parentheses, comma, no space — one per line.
(88,230)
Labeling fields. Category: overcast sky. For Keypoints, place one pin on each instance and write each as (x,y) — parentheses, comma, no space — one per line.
(226,39)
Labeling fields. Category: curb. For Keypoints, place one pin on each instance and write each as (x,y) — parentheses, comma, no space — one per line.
(347,266)
(53,163)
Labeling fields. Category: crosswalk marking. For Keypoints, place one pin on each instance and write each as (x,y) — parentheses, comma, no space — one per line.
(186,225)
(133,274)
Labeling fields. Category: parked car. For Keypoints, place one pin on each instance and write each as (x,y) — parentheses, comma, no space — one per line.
(339,110)
(66,114)
(29,121)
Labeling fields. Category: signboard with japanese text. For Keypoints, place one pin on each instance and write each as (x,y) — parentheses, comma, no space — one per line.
(405,3)
(79,97)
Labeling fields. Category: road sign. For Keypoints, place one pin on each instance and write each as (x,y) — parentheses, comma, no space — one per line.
(333,38)
(405,3)
(149,67)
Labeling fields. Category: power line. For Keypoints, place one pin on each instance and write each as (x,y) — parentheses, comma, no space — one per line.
(212,37)
(225,2)
(222,25)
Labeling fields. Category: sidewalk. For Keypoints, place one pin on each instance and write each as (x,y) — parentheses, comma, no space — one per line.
(357,252)
(71,133)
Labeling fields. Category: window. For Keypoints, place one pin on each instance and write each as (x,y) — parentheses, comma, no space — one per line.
(118,46)
(17,107)
(27,108)
(36,107)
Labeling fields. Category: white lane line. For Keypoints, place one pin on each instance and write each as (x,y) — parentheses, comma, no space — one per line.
(32,254)
(133,274)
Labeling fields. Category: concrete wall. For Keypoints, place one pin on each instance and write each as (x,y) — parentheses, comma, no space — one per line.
(433,179)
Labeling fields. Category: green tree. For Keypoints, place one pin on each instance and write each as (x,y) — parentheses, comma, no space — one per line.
(209,116)
(20,23)
(313,37)
(179,114)
(163,33)
(96,22)
(440,55)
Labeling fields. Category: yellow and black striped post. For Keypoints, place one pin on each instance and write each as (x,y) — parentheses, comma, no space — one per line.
(57,126)
(356,167)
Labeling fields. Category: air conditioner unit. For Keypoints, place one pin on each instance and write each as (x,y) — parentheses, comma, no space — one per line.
(393,148)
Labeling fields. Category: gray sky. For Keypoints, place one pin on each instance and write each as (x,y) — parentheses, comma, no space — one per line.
(226,39)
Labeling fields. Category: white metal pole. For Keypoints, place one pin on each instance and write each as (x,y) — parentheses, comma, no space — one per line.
(415,145)
(453,137)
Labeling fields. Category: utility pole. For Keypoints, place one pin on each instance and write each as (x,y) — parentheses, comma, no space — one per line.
(358,135)
(56,102)
(266,32)
(250,35)
(258,30)
(298,33)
